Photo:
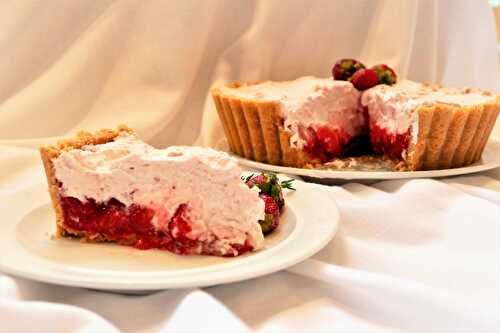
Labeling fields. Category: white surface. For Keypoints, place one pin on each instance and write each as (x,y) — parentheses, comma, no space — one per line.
(414,255)
(30,252)
(409,256)
(490,160)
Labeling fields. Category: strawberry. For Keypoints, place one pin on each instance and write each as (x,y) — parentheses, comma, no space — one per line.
(386,75)
(271,205)
(268,224)
(364,79)
(271,192)
(344,69)
(257,180)
(260,179)
(272,214)
(268,183)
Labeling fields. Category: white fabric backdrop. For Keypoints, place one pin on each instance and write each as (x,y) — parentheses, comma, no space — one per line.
(410,256)
(67,65)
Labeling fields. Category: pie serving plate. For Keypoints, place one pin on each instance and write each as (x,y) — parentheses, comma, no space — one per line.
(28,249)
(490,160)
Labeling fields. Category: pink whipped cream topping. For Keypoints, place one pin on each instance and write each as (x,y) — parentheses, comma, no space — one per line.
(309,102)
(133,172)
(392,107)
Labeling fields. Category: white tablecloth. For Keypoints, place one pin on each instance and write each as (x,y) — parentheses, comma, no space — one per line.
(410,256)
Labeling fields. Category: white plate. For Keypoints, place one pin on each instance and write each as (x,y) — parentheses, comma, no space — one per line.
(27,249)
(490,160)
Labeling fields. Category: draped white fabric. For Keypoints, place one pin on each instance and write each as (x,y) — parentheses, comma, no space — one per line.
(410,256)
(68,65)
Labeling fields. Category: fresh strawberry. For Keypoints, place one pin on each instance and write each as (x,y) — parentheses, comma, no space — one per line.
(271,192)
(260,179)
(344,69)
(385,74)
(364,79)
(268,183)
(257,180)
(269,223)
(271,205)
(272,211)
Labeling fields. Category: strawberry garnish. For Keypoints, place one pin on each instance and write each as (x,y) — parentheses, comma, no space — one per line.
(364,79)
(344,69)
(271,205)
(268,183)
(271,219)
(271,192)
(385,74)
(257,180)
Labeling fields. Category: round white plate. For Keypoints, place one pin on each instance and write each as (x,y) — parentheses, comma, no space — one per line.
(490,160)
(28,250)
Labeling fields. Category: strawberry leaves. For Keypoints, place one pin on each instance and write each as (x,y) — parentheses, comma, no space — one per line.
(288,184)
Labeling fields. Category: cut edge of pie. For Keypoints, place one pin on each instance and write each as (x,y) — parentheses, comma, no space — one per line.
(50,152)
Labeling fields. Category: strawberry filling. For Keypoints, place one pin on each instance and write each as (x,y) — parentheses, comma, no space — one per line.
(325,142)
(133,226)
(389,144)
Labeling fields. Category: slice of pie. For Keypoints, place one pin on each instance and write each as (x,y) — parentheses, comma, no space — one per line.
(111,186)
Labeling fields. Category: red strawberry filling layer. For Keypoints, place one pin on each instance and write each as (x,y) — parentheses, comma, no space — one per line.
(389,144)
(133,226)
(325,142)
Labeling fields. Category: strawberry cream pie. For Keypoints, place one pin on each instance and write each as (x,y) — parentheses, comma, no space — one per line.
(311,121)
(110,186)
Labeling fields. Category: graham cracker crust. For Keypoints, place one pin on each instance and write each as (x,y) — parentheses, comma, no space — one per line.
(50,153)
(449,136)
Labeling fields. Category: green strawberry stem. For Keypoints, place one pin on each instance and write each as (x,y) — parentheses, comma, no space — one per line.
(288,184)
(247,178)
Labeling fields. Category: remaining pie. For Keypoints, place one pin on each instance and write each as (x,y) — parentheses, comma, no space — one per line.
(310,121)
(110,186)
